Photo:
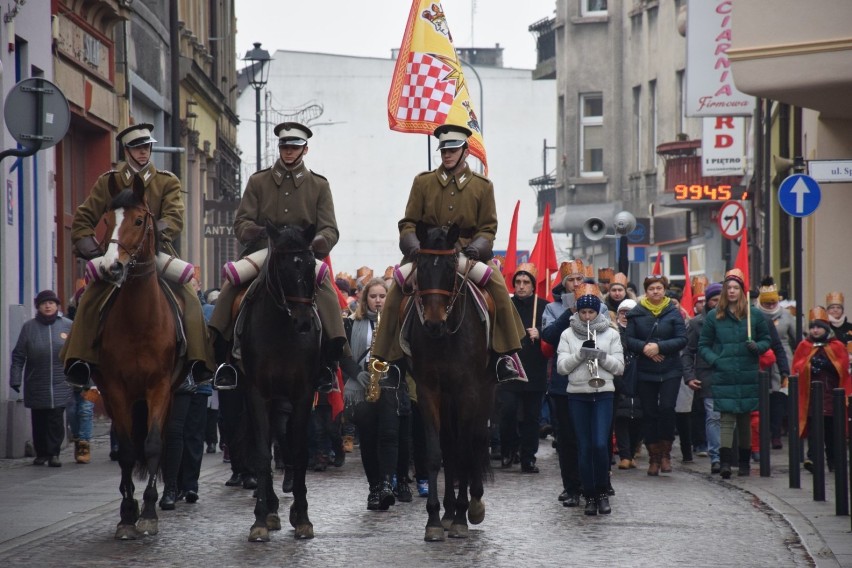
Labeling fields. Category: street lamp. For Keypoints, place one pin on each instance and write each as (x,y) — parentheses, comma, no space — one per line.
(258,73)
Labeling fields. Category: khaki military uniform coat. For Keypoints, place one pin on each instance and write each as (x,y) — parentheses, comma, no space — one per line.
(298,197)
(440,198)
(162,191)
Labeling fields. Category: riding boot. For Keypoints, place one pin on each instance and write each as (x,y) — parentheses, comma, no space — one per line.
(508,368)
(326,379)
(169,498)
(725,456)
(744,469)
(79,374)
(226,374)
(665,456)
(386,496)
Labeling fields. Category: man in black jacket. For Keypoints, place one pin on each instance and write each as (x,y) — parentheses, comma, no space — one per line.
(523,434)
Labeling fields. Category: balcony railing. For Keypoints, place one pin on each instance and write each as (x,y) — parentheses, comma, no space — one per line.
(683,166)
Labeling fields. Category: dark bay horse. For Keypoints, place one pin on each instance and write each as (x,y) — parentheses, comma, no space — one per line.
(139,362)
(455,391)
(280,341)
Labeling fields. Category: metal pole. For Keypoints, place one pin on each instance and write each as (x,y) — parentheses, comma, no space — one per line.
(841,489)
(257,125)
(798,263)
(793,449)
(816,440)
(763,405)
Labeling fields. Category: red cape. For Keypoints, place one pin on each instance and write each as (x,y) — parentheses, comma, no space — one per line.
(839,357)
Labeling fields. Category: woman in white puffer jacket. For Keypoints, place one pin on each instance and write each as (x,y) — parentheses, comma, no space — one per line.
(591,408)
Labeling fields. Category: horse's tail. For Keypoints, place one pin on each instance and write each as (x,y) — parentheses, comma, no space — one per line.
(138,434)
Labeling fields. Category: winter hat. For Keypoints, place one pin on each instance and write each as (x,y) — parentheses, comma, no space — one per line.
(342,285)
(712,291)
(588,296)
(46,296)
(768,292)
(737,276)
(626,305)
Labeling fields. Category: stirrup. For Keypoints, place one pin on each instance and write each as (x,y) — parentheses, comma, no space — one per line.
(79,374)
(506,370)
(325,386)
(225,377)
(199,373)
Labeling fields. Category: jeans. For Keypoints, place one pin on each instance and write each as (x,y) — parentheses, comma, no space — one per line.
(79,415)
(592,418)
(713,429)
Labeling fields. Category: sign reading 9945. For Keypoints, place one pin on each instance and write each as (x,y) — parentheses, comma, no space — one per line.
(720,192)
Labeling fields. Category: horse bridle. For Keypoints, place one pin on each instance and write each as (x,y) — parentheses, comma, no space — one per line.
(458,286)
(134,254)
(285,306)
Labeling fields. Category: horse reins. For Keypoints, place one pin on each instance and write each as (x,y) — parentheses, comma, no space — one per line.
(297,299)
(134,255)
(458,287)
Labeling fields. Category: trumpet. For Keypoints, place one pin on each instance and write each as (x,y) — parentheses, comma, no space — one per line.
(377,369)
(591,342)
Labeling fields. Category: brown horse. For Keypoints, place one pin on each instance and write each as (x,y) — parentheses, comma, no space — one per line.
(455,391)
(139,363)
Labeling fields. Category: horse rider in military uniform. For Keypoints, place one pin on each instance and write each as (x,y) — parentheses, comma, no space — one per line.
(455,194)
(163,194)
(288,193)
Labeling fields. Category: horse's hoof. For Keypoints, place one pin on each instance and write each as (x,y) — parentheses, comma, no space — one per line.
(259,534)
(434,534)
(476,511)
(304,532)
(273,522)
(126,532)
(447,522)
(148,527)
(458,531)
(293,515)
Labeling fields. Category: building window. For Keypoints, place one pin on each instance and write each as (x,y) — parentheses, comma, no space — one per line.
(652,124)
(593,7)
(637,128)
(591,135)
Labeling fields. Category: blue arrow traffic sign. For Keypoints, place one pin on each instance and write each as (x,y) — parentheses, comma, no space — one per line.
(799,195)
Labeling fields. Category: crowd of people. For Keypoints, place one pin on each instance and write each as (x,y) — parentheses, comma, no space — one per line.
(601,367)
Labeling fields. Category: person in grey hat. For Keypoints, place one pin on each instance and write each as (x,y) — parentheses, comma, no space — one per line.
(163,195)
(288,193)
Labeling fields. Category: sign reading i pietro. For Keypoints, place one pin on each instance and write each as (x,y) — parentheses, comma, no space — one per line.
(710,89)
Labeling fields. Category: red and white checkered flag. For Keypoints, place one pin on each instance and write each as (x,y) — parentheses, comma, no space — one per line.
(426,96)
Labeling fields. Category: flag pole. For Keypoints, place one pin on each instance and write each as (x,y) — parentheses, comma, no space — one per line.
(428,153)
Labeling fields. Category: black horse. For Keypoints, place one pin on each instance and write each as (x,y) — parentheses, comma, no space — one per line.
(280,341)
(455,392)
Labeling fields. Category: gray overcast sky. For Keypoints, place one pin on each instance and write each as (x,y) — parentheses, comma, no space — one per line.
(375,27)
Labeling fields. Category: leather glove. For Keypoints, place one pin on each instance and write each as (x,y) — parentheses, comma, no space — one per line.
(752,347)
(409,244)
(253,234)
(320,247)
(479,249)
(88,248)
(16,388)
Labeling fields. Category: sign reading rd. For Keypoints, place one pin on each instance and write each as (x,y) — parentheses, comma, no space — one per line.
(799,195)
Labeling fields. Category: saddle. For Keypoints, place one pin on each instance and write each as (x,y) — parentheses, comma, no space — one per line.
(408,308)
(174,303)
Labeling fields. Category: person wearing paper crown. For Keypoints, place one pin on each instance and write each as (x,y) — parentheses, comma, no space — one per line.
(617,293)
(733,337)
(163,194)
(841,327)
(820,357)
(287,193)
(454,193)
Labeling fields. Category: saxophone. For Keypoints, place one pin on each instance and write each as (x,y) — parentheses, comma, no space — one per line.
(377,369)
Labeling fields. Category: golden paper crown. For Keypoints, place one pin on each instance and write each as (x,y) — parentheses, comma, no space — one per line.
(587,290)
(388,272)
(364,275)
(589,271)
(834,298)
(570,268)
(605,275)
(619,278)
(818,313)
(529,268)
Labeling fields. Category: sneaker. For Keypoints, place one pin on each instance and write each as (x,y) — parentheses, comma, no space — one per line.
(715,468)
(809,465)
(403,493)
(423,487)
(702,453)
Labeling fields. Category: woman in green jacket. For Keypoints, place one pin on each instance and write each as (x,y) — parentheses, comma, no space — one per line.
(731,345)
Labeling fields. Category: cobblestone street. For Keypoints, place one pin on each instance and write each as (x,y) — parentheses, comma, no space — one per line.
(684,518)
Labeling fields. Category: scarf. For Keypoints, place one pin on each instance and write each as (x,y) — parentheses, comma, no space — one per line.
(46,320)
(773,312)
(655,310)
(362,337)
(837,322)
(599,324)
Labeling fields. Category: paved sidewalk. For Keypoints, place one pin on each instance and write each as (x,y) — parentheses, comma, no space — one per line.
(827,537)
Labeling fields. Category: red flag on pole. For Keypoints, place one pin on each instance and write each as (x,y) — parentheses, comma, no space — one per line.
(686,297)
(742,260)
(429,88)
(543,257)
(341,299)
(511,261)
(658,271)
